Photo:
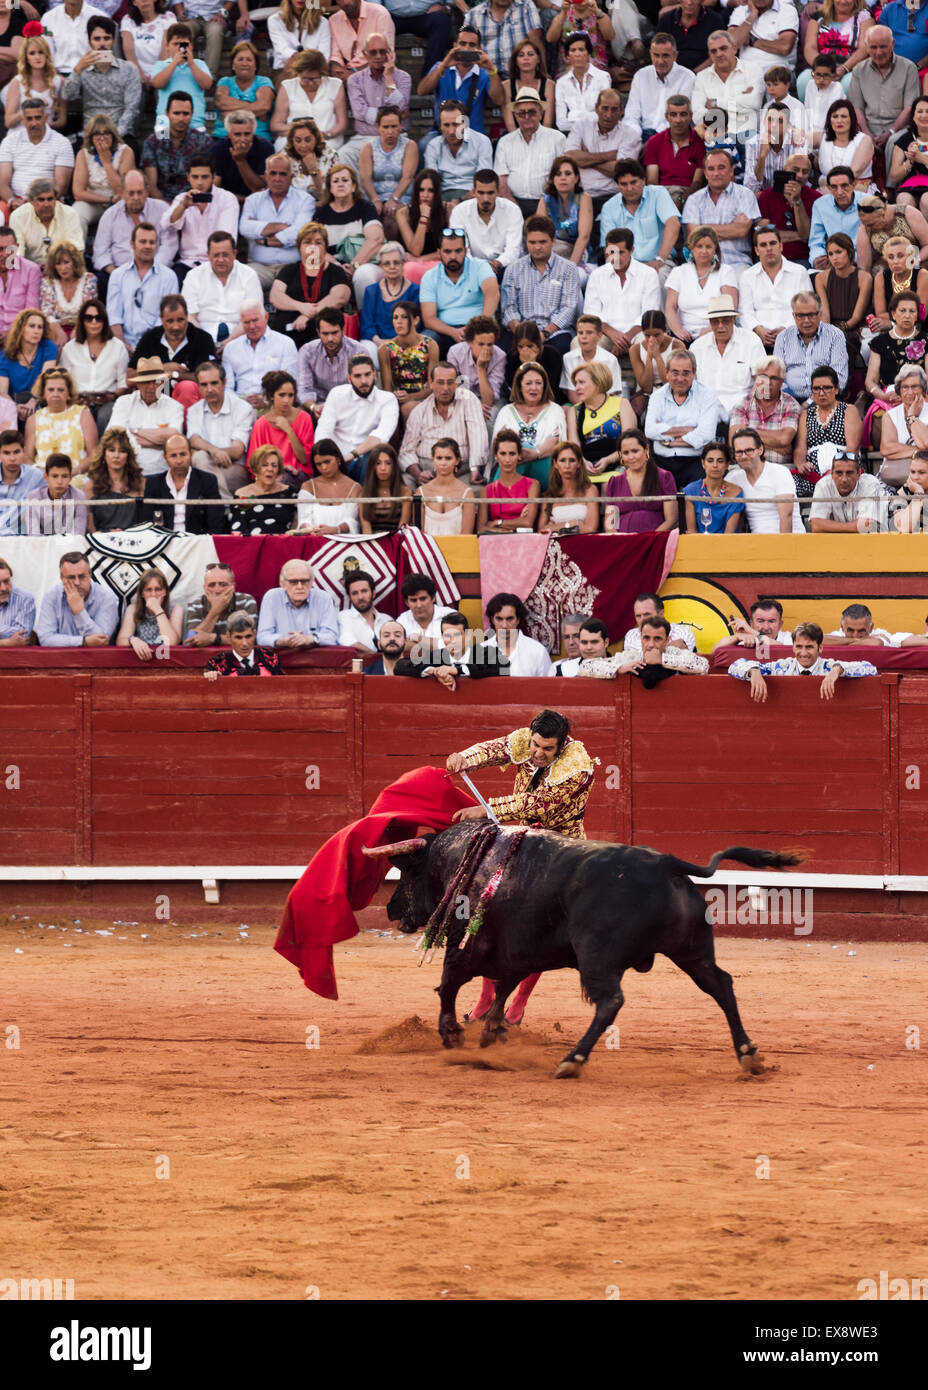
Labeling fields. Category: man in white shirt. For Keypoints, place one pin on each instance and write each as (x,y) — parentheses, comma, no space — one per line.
(492,225)
(769,489)
(734,86)
(65,31)
(149,416)
(845,498)
(649,606)
(620,291)
(807,660)
(727,355)
(219,427)
(506,614)
(249,355)
(597,142)
(589,332)
(421,620)
(358,416)
(765,290)
(215,291)
(765,32)
(645,109)
(359,625)
(32,151)
(857,630)
(524,156)
(763,629)
(43,222)
(575,92)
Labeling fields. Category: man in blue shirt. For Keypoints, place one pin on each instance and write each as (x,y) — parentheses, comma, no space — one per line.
(136,289)
(909,27)
(455,291)
(77,612)
(297,614)
(457,153)
(465,74)
(17,611)
(682,418)
(427,20)
(181,72)
(17,478)
(649,211)
(834,213)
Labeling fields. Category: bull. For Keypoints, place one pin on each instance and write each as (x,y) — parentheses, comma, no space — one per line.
(590,906)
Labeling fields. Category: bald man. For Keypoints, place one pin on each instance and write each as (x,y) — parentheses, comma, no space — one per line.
(271,220)
(112,245)
(883,87)
(168,496)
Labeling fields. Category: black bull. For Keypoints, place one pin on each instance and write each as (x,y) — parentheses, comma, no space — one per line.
(595,907)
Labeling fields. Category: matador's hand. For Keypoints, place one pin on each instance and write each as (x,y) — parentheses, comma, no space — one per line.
(455,762)
(470,813)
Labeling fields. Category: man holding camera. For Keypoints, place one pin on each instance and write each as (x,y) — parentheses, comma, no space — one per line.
(208,17)
(181,72)
(465,74)
(104,84)
(195,214)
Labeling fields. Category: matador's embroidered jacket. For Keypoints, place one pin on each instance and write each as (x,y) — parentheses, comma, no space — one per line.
(559,800)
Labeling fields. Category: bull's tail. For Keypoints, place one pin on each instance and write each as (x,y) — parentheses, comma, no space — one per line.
(754,858)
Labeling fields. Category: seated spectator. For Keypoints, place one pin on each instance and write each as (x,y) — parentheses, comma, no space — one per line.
(908,172)
(112,244)
(570,210)
(589,332)
(214,292)
(349,27)
(574,18)
(102,83)
(311,92)
(692,286)
(649,354)
(620,291)
(136,289)
(456,153)
(456,657)
(765,626)
(390,506)
(690,24)
(263,517)
(203,208)
(272,220)
(386,167)
(509,501)
(536,418)
(57,508)
(359,416)
(725,204)
(328,505)
(527,68)
(245,90)
(645,609)
(522,655)
(598,419)
(219,427)
(902,271)
(240,158)
(542,287)
(406,359)
(448,411)
(769,489)
(466,73)
(681,418)
(910,519)
(303,290)
(809,343)
(456,289)
(492,225)
(770,410)
(844,143)
(656,660)
(17,480)
(903,346)
(17,611)
(479,363)
(96,361)
(840,34)
(713,505)
(77,612)
(179,73)
(673,158)
(766,289)
(142,33)
(393,288)
(378,84)
(148,415)
(571,624)
(420,224)
(151,620)
(879,221)
(360,623)
(726,357)
(641,478)
(769,152)
(807,659)
(164,157)
(857,630)
(19,280)
(845,290)
(255,351)
(524,157)
(824,421)
(439,516)
(354,230)
(575,92)
(114,477)
(294,27)
(208,616)
(181,345)
(323,362)
(61,425)
(597,142)
(191,488)
(648,212)
(571,498)
(285,425)
(905,426)
(66,286)
(652,88)
(32,151)
(529,346)
(35,76)
(421,619)
(594,644)
(27,349)
(790,209)
(298,613)
(43,222)
(883,86)
(730,83)
(244,658)
(390,644)
(845,498)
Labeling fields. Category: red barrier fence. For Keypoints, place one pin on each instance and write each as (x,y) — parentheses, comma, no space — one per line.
(107,769)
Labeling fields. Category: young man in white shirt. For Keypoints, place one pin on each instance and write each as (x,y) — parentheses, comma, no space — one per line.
(359,625)
(765,290)
(421,621)
(526,657)
(621,290)
(768,488)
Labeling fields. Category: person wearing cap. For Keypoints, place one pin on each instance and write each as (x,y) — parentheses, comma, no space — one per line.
(136,289)
(183,484)
(148,415)
(457,152)
(765,290)
(845,498)
(879,222)
(770,411)
(524,156)
(726,355)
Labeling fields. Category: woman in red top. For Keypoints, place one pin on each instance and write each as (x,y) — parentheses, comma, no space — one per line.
(510,501)
(284,425)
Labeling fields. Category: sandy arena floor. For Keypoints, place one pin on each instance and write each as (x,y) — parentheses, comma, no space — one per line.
(377,1166)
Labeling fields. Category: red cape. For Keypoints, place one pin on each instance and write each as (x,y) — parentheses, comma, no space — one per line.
(339,879)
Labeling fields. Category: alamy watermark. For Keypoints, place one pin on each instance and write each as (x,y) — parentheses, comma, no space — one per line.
(761,907)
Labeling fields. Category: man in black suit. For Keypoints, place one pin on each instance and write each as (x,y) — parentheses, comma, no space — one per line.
(185,485)
(456,658)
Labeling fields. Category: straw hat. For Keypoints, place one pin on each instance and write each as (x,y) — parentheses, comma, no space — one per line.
(722,306)
(150,369)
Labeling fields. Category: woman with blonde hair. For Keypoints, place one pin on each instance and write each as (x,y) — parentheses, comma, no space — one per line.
(598,419)
(151,620)
(35,77)
(262,517)
(903,271)
(310,157)
(690,286)
(297,25)
(312,92)
(313,283)
(65,287)
(61,425)
(27,349)
(113,475)
(100,166)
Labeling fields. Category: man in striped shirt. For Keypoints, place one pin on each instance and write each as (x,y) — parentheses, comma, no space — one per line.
(809,343)
(542,287)
(807,660)
(17,610)
(32,151)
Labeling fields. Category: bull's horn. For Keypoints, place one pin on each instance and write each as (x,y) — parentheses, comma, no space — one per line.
(401,847)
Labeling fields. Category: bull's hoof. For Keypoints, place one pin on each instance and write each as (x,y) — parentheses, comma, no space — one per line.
(492,1035)
(452,1037)
(750,1060)
(568,1068)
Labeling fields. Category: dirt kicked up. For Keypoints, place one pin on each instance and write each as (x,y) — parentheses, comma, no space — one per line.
(180,1118)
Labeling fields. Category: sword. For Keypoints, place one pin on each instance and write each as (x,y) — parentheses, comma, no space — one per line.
(464,778)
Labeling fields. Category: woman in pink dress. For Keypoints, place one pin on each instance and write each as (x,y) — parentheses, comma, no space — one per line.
(510,502)
(285,426)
